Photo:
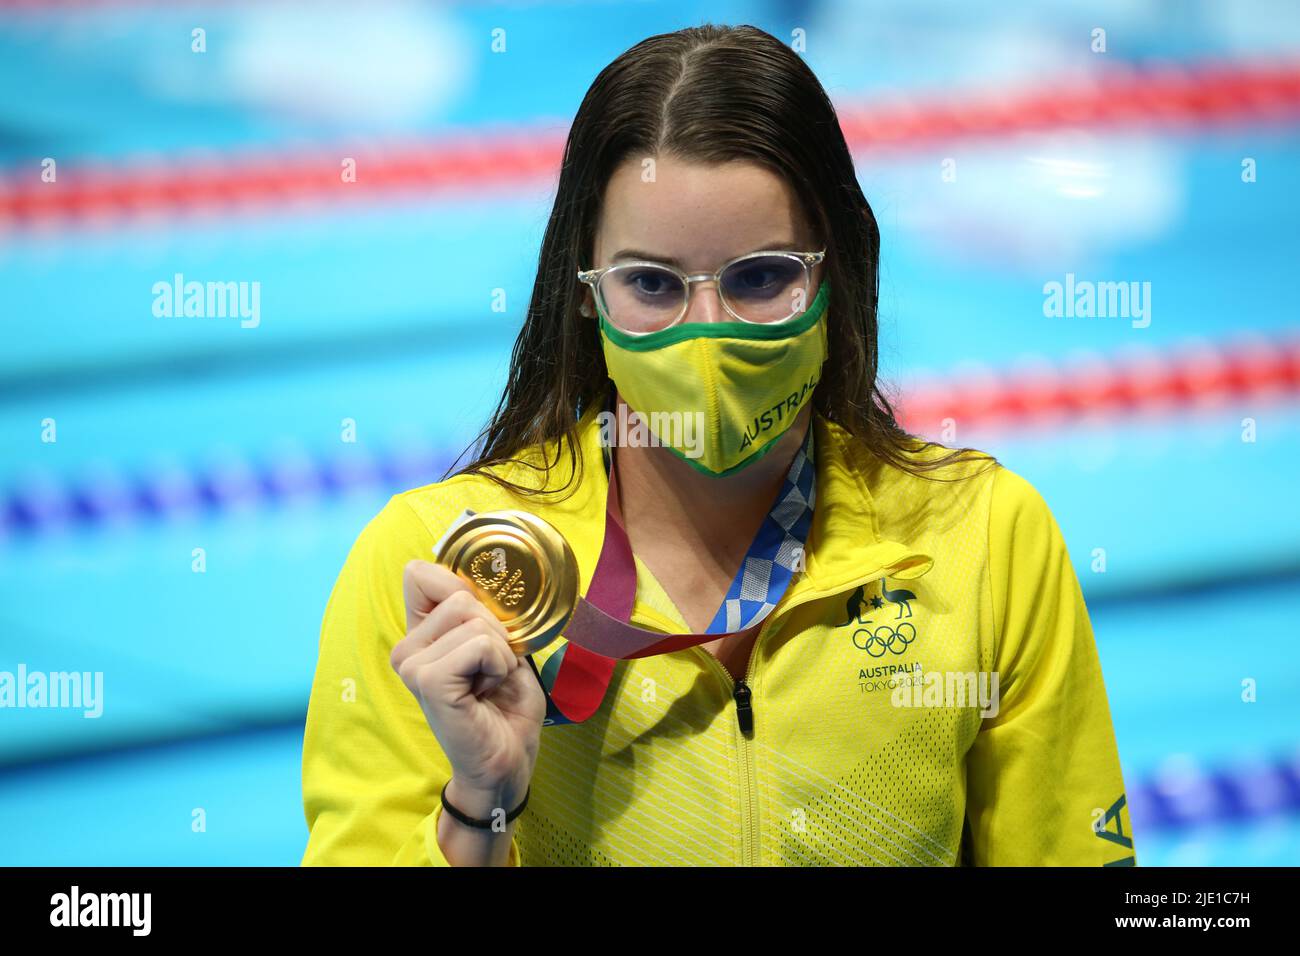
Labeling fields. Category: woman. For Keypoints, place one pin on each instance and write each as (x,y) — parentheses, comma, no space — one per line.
(904,672)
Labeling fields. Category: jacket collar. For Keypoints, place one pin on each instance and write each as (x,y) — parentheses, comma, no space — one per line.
(845,540)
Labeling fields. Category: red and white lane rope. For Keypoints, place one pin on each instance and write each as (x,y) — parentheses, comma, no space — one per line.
(1188,378)
(1164,98)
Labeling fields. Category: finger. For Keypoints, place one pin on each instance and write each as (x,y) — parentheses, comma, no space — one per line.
(471,629)
(478,661)
(456,609)
(424,586)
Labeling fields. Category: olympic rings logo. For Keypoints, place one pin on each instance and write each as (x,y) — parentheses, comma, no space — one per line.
(884,638)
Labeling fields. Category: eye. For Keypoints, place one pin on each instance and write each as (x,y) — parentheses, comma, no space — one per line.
(754,278)
(652,283)
(764,277)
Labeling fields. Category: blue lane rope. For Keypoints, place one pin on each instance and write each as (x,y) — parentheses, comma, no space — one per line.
(1186,795)
(47,502)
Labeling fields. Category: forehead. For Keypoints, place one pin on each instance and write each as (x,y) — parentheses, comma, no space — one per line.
(700,214)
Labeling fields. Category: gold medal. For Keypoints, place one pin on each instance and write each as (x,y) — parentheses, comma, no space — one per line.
(521,568)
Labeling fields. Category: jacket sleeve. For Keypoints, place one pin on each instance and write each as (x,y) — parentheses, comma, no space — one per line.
(372,770)
(1043,778)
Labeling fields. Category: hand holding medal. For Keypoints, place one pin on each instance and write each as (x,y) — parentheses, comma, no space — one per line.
(468,617)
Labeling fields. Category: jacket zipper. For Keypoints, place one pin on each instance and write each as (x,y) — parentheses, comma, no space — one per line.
(742,696)
(744,709)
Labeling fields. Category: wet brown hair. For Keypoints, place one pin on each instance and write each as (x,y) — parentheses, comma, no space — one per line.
(706,94)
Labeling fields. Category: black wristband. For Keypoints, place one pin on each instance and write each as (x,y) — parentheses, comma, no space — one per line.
(488,823)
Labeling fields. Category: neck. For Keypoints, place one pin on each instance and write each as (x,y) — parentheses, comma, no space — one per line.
(664,498)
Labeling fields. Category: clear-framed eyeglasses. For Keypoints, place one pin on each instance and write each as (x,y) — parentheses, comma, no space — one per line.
(763,287)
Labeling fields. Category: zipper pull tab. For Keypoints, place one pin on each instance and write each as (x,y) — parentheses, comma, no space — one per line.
(744,709)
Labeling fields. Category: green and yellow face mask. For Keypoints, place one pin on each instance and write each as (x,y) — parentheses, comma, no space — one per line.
(719,395)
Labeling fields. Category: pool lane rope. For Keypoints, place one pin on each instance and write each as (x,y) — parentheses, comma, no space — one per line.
(1163,98)
(1200,377)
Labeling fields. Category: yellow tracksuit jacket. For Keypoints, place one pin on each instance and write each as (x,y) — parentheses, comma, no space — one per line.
(841,768)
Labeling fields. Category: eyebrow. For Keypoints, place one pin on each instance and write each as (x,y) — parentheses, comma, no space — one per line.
(781,245)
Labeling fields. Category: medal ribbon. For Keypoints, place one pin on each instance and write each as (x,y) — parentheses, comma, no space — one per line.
(576,677)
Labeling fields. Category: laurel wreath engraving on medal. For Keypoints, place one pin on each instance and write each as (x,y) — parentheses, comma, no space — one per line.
(504,584)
